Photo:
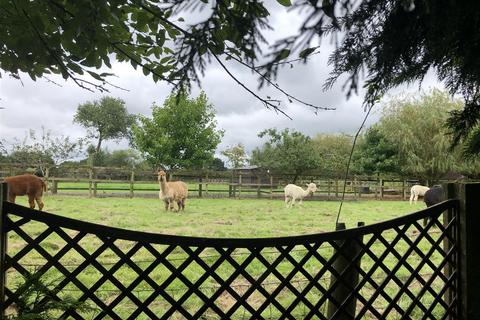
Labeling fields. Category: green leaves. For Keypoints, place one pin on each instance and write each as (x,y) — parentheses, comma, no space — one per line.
(286,3)
(306,52)
(282,55)
(289,151)
(180,134)
(107,118)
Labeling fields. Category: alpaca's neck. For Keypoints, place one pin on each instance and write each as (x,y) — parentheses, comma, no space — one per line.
(306,192)
(163,185)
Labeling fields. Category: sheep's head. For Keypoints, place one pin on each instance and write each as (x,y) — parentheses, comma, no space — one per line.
(162,176)
(311,187)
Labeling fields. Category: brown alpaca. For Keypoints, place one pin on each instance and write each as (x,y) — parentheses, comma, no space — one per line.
(171,192)
(29,185)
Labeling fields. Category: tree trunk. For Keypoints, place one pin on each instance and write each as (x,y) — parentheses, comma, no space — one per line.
(99,144)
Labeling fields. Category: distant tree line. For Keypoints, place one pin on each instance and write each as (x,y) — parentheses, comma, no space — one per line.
(410,140)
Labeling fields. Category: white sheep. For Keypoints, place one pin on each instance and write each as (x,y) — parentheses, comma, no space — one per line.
(171,192)
(293,193)
(417,190)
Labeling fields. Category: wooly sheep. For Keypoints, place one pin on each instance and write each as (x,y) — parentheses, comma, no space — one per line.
(433,196)
(171,192)
(417,190)
(293,193)
(26,184)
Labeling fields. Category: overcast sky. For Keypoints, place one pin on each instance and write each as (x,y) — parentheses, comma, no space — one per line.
(31,105)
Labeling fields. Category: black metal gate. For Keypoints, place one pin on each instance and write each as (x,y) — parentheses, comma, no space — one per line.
(397,269)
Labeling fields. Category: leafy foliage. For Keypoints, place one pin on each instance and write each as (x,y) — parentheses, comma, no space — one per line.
(375,154)
(126,158)
(289,152)
(236,155)
(74,38)
(384,42)
(181,134)
(217,164)
(416,126)
(44,149)
(39,300)
(333,151)
(106,119)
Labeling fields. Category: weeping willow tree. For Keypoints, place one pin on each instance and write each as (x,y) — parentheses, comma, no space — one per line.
(416,126)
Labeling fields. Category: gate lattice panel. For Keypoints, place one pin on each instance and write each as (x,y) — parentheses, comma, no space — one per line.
(396,269)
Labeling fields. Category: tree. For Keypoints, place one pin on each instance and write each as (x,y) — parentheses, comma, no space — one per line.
(236,155)
(416,126)
(333,151)
(181,134)
(45,149)
(375,154)
(124,158)
(217,164)
(289,152)
(105,119)
(385,43)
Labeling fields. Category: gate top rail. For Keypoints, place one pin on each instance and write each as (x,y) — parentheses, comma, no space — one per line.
(140,236)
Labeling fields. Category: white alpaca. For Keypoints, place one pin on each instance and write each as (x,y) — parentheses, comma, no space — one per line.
(417,190)
(171,192)
(293,193)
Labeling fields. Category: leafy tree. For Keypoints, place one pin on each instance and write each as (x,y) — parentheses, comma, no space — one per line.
(385,43)
(236,155)
(333,151)
(124,158)
(291,152)
(106,119)
(181,134)
(376,154)
(416,126)
(45,149)
(217,164)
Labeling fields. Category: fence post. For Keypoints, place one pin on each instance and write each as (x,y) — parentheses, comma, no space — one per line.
(258,187)
(347,265)
(452,233)
(381,188)
(329,182)
(3,247)
(404,183)
(206,184)
(95,189)
(90,178)
(132,181)
(336,188)
(200,185)
(239,185)
(469,259)
(356,191)
(54,189)
(271,187)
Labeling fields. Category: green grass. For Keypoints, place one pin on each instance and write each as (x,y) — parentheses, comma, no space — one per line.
(222,218)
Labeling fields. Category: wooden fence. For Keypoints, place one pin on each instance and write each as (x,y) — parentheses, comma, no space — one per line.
(393,269)
(98,181)
(216,188)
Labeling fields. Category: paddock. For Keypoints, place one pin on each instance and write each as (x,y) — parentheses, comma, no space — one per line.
(236,278)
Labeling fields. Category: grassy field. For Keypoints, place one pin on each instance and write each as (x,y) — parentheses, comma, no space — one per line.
(225,218)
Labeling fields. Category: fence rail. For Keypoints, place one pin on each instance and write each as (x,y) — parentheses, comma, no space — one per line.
(393,269)
(103,181)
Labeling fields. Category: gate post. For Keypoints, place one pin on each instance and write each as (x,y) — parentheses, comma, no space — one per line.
(342,294)
(3,247)
(469,258)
